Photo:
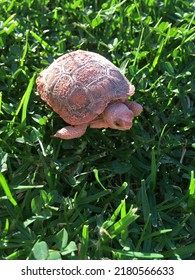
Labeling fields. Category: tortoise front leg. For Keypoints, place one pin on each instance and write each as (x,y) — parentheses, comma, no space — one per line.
(71,132)
(134,107)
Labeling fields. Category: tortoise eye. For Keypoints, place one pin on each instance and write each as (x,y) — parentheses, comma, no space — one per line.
(117,124)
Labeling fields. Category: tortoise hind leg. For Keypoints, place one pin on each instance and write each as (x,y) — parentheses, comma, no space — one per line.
(71,132)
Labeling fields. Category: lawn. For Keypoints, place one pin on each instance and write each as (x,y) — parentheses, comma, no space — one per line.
(109,194)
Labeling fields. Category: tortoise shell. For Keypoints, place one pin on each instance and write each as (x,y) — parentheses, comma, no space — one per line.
(79,86)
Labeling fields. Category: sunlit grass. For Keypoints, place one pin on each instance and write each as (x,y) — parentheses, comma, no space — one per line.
(111,194)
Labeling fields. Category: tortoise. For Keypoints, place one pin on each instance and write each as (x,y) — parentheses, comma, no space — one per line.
(87,90)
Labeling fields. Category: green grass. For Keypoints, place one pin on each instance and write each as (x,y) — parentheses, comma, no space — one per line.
(110,194)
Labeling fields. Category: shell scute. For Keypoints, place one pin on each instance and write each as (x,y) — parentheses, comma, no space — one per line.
(89,72)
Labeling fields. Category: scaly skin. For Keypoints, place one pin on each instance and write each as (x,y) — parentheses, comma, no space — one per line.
(71,132)
(117,115)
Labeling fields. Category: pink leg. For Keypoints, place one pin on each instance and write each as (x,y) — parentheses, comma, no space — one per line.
(134,107)
(71,132)
(99,123)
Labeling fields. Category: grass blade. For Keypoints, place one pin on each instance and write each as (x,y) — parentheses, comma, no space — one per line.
(145,201)
(123,223)
(160,49)
(184,250)
(6,189)
(25,50)
(191,198)
(26,98)
(24,101)
(153,170)
(84,243)
(97,178)
(43,43)
(133,254)
(0,102)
